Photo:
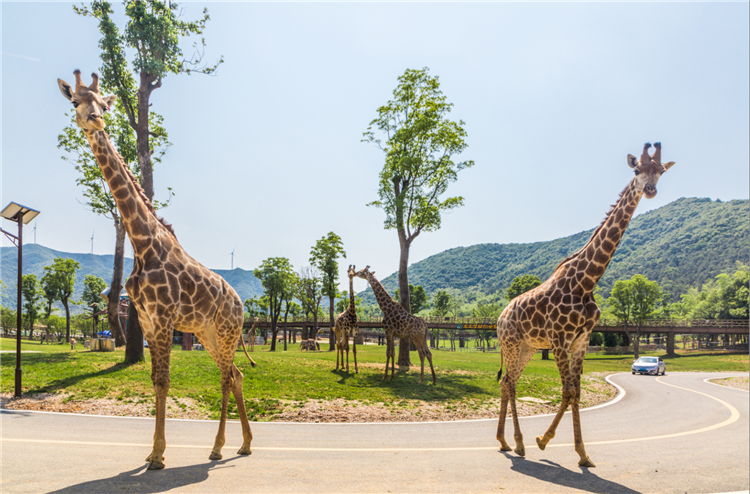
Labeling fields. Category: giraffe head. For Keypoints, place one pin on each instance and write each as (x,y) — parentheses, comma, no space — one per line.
(648,169)
(88,103)
(365,274)
(352,271)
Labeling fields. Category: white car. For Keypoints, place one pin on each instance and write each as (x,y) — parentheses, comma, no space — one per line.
(649,365)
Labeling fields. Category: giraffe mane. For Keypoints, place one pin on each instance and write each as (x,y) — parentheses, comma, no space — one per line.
(598,228)
(142,193)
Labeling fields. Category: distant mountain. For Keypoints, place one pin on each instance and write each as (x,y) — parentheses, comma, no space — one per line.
(36,257)
(682,244)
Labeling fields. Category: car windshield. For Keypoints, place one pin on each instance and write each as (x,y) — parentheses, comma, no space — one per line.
(648,360)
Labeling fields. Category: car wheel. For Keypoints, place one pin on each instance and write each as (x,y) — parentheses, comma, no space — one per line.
(633,372)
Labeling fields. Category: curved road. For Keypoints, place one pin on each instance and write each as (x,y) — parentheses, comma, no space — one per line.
(671,434)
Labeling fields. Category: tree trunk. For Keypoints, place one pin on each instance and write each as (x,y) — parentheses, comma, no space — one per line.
(115,287)
(545,354)
(331,335)
(637,343)
(404,344)
(67,319)
(134,345)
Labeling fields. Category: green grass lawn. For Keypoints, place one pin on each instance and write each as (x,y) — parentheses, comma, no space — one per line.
(299,376)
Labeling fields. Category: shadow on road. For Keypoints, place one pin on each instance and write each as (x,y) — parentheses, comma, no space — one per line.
(147,482)
(585,480)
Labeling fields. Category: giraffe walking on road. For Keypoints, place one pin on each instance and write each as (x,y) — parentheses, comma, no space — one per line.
(170,289)
(560,313)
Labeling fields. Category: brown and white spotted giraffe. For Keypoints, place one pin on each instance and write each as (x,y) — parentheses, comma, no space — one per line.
(346,326)
(169,288)
(560,313)
(397,322)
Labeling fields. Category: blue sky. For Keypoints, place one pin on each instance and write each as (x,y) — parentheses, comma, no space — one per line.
(267,158)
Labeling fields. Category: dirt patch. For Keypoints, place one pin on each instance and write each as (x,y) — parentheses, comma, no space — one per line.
(734,382)
(177,408)
(594,391)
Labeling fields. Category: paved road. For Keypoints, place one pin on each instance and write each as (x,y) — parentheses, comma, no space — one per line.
(672,434)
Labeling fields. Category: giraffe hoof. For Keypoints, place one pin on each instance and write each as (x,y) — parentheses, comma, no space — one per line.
(540,443)
(586,463)
(244,451)
(155,465)
(505,447)
(215,456)
(520,451)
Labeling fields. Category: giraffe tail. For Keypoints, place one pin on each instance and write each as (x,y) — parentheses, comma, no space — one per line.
(242,340)
(500,372)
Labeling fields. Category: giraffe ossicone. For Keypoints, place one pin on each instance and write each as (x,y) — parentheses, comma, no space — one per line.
(560,313)
(169,289)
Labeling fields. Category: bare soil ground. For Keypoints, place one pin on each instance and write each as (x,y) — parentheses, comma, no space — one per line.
(734,382)
(595,391)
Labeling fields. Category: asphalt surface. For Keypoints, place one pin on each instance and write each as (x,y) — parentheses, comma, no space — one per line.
(671,434)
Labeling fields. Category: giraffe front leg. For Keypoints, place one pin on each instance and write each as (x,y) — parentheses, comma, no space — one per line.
(561,359)
(160,377)
(576,368)
(388,346)
(226,387)
(346,346)
(356,370)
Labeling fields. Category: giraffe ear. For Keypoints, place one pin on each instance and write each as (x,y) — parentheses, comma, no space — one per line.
(667,166)
(110,100)
(65,89)
(632,161)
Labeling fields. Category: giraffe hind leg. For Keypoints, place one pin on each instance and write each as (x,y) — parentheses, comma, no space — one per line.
(247,435)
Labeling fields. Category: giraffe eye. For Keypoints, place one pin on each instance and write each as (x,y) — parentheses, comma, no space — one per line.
(75,104)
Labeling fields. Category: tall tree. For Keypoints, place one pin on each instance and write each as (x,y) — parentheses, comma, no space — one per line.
(32,294)
(153,33)
(61,276)
(93,286)
(277,277)
(324,256)
(419,146)
(309,292)
(634,300)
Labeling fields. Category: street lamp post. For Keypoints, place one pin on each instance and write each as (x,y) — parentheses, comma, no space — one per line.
(21,215)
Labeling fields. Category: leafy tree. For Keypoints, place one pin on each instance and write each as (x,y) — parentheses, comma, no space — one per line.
(61,276)
(277,277)
(343,302)
(724,297)
(611,339)
(257,306)
(49,290)
(634,300)
(32,294)
(152,33)
(324,256)
(441,304)
(309,293)
(93,286)
(418,298)
(420,143)
(522,284)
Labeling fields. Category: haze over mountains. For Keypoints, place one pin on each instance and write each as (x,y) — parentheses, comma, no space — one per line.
(682,244)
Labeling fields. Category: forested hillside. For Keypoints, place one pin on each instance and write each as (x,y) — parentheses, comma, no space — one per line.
(680,245)
(35,257)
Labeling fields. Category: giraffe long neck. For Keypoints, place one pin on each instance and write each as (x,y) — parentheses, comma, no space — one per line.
(385,302)
(592,260)
(352,306)
(137,218)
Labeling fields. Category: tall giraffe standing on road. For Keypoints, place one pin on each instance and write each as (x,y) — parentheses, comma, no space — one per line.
(169,288)
(561,312)
(398,322)
(346,325)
